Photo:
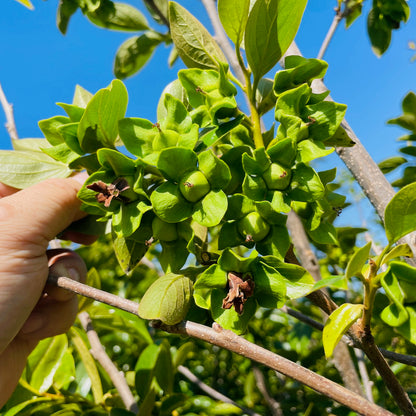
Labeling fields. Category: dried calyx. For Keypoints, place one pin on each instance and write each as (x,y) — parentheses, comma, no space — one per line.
(239,291)
(106,193)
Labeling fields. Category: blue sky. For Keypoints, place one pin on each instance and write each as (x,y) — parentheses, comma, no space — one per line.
(40,67)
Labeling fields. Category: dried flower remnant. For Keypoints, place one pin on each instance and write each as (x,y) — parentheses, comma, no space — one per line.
(239,291)
(106,193)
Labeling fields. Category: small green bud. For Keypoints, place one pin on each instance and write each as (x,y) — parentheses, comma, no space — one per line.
(194,186)
(253,227)
(164,231)
(277,177)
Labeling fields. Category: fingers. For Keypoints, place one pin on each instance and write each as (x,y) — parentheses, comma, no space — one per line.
(6,190)
(63,262)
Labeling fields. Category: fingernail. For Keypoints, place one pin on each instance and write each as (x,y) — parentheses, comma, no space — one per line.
(73,274)
(33,323)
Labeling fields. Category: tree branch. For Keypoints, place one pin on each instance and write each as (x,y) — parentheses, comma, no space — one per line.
(212,392)
(331,31)
(8,111)
(98,352)
(228,340)
(274,405)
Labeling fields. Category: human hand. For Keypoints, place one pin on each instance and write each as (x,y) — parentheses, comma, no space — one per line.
(31,310)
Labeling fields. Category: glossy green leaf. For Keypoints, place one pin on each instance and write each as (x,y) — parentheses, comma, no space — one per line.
(22,169)
(66,8)
(406,278)
(173,255)
(400,214)
(326,117)
(270,290)
(50,128)
(175,162)
(89,363)
(212,278)
(231,261)
(145,368)
(177,117)
(44,362)
(167,299)
(137,135)
(338,282)
(117,16)
(81,97)
(357,261)
(30,144)
(401,250)
(378,32)
(306,184)
(169,204)
(129,252)
(215,170)
(194,44)
(99,124)
(233,15)
(408,328)
(309,150)
(211,209)
(388,165)
(134,53)
(338,324)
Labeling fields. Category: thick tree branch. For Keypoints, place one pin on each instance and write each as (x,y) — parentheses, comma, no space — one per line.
(228,340)
(98,352)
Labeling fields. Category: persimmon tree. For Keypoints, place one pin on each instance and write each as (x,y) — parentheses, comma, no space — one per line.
(210,224)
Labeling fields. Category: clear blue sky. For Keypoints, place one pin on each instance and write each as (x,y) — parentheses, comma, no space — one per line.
(40,67)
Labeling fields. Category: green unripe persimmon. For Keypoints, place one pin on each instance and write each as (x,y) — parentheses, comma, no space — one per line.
(164,231)
(253,227)
(277,177)
(194,186)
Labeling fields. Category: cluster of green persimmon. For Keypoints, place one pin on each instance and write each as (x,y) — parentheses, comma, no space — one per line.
(193,182)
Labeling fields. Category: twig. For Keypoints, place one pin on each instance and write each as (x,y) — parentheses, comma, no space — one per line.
(212,392)
(367,383)
(228,340)
(261,385)
(98,352)
(8,111)
(152,5)
(331,31)
(232,342)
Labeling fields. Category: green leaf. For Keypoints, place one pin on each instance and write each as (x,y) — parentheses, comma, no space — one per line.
(338,282)
(44,362)
(167,299)
(211,209)
(50,128)
(408,328)
(401,250)
(215,170)
(270,290)
(129,252)
(81,97)
(174,255)
(231,261)
(212,278)
(261,38)
(388,165)
(306,184)
(233,15)
(66,8)
(99,124)
(310,149)
(30,144)
(357,261)
(400,214)
(134,53)
(117,16)
(84,353)
(193,42)
(137,135)
(338,324)
(21,169)
(379,34)
(409,103)
(175,162)
(169,204)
